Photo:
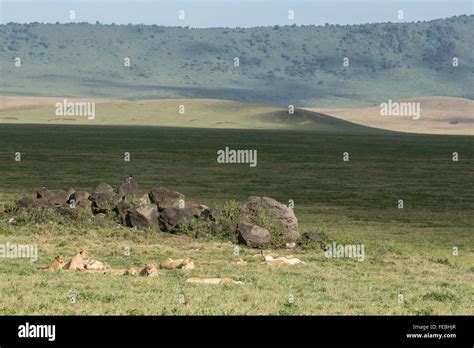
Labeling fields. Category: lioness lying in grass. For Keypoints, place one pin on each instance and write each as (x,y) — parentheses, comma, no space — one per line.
(185,264)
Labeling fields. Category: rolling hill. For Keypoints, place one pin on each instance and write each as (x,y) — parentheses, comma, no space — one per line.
(439,115)
(198,113)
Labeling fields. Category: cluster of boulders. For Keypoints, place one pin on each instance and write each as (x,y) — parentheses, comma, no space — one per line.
(166,210)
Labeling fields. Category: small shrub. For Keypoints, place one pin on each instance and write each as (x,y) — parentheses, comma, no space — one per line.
(37,216)
(232,211)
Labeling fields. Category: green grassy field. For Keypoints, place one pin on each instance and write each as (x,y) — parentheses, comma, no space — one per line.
(408,251)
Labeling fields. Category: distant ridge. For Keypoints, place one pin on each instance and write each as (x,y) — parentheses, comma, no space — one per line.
(280,65)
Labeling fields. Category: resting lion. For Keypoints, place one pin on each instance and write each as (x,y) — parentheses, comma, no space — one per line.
(82,262)
(94,265)
(213,281)
(149,270)
(78,262)
(185,264)
(58,263)
(282,260)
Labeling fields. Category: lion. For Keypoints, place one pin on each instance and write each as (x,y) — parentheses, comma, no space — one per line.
(213,281)
(149,270)
(78,262)
(95,265)
(134,270)
(185,264)
(241,262)
(282,260)
(58,263)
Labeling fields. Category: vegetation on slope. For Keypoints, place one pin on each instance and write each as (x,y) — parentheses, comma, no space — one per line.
(301,65)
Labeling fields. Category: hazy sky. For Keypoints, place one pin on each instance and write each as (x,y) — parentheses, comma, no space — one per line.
(229,13)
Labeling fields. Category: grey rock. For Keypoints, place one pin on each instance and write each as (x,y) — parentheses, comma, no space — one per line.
(130,191)
(210,214)
(256,206)
(165,198)
(143,216)
(104,202)
(60,197)
(174,218)
(200,235)
(252,235)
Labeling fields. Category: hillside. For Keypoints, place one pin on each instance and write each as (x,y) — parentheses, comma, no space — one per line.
(199,113)
(300,65)
(438,115)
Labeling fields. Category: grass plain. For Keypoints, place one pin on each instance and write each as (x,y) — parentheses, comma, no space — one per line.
(409,251)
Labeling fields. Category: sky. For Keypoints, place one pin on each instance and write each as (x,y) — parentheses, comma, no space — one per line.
(230,13)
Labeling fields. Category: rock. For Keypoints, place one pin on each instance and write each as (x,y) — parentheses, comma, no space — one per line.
(143,217)
(122,209)
(43,193)
(43,204)
(103,188)
(84,205)
(25,203)
(61,197)
(216,229)
(103,202)
(99,216)
(132,194)
(2,210)
(80,196)
(80,200)
(200,235)
(138,197)
(165,198)
(290,246)
(210,214)
(28,203)
(197,209)
(174,218)
(130,186)
(285,216)
(252,235)
(67,210)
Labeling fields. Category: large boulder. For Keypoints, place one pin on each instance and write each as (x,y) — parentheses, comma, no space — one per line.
(200,235)
(104,199)
(143,216)
(129,186)
(105,202)
(132,194)
(256,206)
(122,208)
(60,197)
(28,203)
(43,193)
(165,198)
(80,200)
(210,214)
(171,219)
(195,208)
(67,210)
(103,188)
(252,235)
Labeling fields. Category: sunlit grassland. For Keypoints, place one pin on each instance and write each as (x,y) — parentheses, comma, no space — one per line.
(409,251)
